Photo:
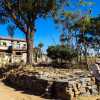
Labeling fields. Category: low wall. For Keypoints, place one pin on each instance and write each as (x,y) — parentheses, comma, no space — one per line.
(65,88)
(74,88)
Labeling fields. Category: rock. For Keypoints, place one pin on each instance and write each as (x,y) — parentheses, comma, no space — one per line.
(53,82)
(82,90)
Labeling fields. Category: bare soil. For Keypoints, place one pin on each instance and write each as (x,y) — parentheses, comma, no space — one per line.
(8,93)
(89,97)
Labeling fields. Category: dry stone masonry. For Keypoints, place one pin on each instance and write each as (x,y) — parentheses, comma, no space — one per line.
(58,83)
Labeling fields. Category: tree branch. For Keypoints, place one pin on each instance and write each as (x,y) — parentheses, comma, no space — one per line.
(17,22)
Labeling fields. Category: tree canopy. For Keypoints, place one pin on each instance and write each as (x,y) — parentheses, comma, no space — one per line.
(61,53)
(24,13)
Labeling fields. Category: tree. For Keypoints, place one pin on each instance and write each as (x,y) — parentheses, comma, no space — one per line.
(11,30)
(89,33)
(36,54)
(62,39)
(61,53)
(40,46)
(71,17)
(24,13)
(94,31)
(80,26)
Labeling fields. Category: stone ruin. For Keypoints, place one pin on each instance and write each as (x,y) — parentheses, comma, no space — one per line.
(74,85)
(54,85)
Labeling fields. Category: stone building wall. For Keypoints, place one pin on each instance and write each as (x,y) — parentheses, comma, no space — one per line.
(5,58)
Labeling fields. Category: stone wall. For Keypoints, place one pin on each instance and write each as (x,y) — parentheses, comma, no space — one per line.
(30,83)
(5,58)
(63,88)
(74,88)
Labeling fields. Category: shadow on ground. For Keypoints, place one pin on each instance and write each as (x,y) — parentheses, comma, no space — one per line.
(37,91)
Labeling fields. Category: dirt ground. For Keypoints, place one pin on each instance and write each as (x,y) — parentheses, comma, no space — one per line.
(7,93)
(89,98)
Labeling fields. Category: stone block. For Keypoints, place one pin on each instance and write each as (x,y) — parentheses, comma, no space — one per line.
(82,90)
(93,81)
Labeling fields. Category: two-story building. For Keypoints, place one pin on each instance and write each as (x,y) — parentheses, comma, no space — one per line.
(12,50)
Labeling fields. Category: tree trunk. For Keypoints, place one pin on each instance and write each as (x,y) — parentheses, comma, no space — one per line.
(12,51)
(29,39)
(80,54)
(85,46)
(77,48)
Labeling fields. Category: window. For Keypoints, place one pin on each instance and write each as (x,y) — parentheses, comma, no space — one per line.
(25,45)
(0,43)
(4,44)
(18,53)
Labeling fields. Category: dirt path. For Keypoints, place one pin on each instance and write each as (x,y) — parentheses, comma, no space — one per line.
(89,98)
(7,93)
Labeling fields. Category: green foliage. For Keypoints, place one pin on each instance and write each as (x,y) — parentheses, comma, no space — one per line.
(24,13)
(86,3)
(40,45)
(94,27)
(61,53)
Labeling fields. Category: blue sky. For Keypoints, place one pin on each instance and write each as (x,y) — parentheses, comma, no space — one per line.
(46,32)
(46,29)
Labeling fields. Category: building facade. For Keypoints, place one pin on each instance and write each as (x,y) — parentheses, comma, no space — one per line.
(12,50)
